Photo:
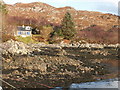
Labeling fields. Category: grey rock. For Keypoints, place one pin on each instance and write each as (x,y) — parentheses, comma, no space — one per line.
(15,48)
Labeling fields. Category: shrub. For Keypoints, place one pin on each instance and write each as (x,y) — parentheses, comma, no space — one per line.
(45,32)
(6,37)
(38,38)
(56,39)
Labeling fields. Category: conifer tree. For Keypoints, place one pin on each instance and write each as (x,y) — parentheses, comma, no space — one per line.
(68,27)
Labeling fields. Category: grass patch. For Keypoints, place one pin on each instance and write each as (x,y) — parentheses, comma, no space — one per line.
(37,35)
(26,39)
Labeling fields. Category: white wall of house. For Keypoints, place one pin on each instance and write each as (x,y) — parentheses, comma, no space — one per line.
(24,33)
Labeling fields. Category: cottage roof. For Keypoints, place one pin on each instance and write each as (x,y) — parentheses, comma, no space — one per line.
(25,28)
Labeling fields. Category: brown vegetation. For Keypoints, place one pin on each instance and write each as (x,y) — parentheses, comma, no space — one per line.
(6,37)
(38,14)
(99,35)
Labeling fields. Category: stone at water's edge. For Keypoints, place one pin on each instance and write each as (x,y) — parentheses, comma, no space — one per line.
(111,83)
(15,47)
(51,59)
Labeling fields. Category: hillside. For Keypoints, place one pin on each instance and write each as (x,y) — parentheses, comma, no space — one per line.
(38,13)
(41,57)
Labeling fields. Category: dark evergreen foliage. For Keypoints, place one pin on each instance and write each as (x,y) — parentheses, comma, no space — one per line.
(68,27)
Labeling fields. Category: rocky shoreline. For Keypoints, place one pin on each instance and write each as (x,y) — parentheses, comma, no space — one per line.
(54,65)
(15,47)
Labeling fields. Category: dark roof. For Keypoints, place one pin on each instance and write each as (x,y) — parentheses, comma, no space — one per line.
(25,28)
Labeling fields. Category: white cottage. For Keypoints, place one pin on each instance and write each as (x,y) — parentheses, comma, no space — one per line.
(24,31)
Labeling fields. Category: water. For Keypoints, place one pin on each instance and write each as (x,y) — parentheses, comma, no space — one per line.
(110,83)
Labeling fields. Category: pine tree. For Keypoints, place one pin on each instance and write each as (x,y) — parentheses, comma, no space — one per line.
(68,27)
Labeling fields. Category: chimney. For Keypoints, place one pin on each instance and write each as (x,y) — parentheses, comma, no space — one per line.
(23,26)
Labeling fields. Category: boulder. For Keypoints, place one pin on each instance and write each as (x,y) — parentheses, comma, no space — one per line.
(15,48)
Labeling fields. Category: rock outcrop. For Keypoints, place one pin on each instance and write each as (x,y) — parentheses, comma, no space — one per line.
(15,47)
(20,48)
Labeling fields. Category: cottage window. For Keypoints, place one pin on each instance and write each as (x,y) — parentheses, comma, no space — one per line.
(19,33)
(28,33)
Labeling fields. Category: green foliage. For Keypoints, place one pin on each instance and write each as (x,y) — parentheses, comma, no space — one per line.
(25,39)
(46,31)
(3,8)
(68,27)
(58,32)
